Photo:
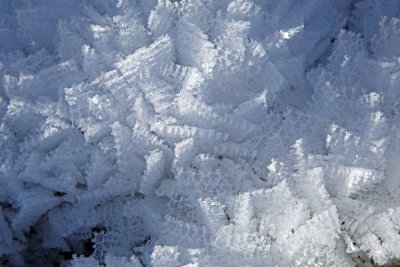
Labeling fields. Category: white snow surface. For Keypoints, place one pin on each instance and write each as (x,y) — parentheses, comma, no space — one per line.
(199,133)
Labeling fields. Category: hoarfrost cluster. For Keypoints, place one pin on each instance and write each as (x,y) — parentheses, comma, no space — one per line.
(199,132)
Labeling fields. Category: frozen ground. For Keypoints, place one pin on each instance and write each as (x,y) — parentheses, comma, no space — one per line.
(199,133)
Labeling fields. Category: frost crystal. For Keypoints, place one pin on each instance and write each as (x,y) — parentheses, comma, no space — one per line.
(199,133)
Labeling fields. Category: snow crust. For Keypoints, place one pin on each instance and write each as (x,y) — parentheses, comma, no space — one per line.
(199,133)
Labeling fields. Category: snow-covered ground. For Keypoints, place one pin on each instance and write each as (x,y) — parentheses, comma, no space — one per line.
(199,132)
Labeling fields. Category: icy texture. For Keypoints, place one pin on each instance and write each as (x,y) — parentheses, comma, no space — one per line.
(199,133)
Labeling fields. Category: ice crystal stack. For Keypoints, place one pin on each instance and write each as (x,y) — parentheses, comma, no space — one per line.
(199,133)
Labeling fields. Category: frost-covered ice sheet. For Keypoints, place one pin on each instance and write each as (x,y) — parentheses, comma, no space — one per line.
(199,132)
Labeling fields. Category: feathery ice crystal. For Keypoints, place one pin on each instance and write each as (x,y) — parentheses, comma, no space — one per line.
(199,133)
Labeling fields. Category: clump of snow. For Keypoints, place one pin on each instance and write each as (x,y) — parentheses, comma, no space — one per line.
(199,133)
